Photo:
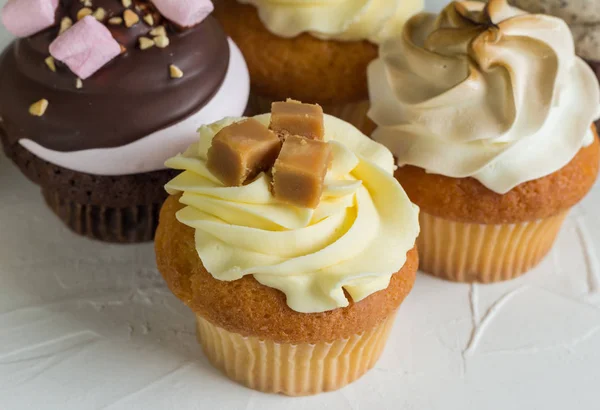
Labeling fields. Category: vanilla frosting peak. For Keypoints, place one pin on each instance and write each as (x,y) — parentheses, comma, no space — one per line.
(354,241)
(484,91)
(345,20)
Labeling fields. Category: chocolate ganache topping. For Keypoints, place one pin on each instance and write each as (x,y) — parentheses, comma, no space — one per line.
(129,98)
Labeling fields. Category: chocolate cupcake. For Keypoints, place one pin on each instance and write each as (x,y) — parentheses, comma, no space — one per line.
(97,95)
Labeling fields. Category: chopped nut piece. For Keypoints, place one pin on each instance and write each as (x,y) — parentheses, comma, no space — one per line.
(158,31)
(149,19)
(162,41)
(50,63)
(123,48)
(293,117)
(39,108)
(86,11)
(115,21)
(175,71)
(241,151)
(100,14)
(86,3)
(126,3)
(78,83)
(300,170)
(65,24)
(146,43)
(130,18)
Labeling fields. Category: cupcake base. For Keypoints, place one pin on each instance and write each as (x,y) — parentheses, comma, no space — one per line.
(117,225)
(117,209)
(293,370)
(468,252)
(354,113)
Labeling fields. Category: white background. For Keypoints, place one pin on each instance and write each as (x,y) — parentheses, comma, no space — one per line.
(85,325)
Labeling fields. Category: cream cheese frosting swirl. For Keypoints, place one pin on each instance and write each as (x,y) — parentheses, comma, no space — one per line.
(355,240)
(483,91)
(345,20)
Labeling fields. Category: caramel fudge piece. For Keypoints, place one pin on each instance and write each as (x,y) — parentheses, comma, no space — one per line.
(300,170)
(293,117)
(241,151)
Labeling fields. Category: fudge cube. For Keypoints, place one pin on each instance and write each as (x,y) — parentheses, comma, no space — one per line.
(26,17)
(294,118)
(86,47)
(241,151)
(184,13)
(300,170)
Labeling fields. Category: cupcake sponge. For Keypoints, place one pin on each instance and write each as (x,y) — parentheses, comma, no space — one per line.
(467,200)
(318,71)
(248,308)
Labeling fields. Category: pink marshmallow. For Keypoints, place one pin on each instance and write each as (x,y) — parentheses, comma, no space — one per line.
(86,47)
(26,17)
(185,13)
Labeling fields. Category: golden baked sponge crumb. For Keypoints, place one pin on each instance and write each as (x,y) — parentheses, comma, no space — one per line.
(303,67)
(251,309)
(467,200)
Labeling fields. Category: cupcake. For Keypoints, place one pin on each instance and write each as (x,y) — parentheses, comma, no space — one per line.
(315,51)
(294,256)
(489,114)
(97,95)
(582,16)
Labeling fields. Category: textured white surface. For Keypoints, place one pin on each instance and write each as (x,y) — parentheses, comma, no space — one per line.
(84,325)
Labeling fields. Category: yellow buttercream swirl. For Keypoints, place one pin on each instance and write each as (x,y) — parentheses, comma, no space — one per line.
(356,239)
(345,20)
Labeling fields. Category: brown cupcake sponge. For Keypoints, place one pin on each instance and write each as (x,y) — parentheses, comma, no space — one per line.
(118,209)
(111,191)
(304,67)
(248,308)
(467,200)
